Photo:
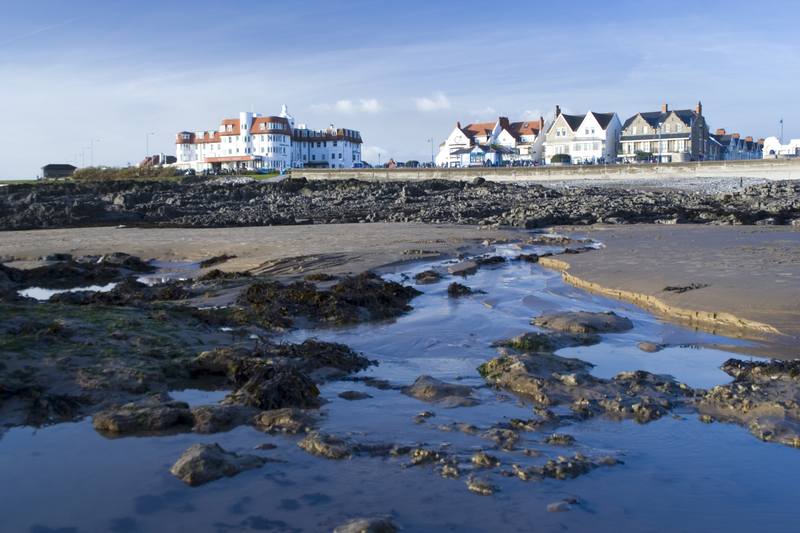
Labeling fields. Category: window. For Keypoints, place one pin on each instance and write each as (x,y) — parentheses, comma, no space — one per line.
(666,128)
(644,130)
(313,158)
(324,143)
(558,133)
(592,131)
(340,156)
(230,127)
(334,143)
(261,126)
(304,158)
(678,128)
(319,145)
(587,131)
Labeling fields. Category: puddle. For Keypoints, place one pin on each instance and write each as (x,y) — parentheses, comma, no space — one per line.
(679,474)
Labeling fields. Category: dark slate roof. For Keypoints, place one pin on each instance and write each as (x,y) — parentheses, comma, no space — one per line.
(57,166)
(724,140)
(574,121)
(604,119)
(654,117)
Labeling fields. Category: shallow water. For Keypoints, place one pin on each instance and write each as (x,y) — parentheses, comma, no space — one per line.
(679,474)
(45,294)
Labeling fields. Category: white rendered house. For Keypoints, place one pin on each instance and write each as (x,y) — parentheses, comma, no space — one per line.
(255,142)
(589,138)
(523,141)
(773,148)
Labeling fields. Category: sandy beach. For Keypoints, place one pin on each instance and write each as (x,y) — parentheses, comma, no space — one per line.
(747,279)
(279,250)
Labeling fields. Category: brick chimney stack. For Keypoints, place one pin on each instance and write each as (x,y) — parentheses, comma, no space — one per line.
(748,139)
(664,108)
(721,131)
(699,108)
(556,113)
(736,136)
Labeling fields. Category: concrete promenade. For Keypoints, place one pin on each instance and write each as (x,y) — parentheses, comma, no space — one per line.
(775,169)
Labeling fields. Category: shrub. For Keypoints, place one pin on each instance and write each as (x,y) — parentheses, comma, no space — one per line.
(129,173)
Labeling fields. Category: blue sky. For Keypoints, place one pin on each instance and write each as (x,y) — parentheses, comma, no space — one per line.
(72,71)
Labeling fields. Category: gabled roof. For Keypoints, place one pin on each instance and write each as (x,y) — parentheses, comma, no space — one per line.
(603,119)
(484,128)
(653,118)
(573,121)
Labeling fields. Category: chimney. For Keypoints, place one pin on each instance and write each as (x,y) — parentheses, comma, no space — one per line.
(503,122)
(761,142)
(699,108)
(721,131)
(748,139)
(736,136)
(664,108)
(557,112)
(458,125)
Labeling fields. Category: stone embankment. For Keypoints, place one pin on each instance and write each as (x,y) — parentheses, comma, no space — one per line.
(301,201)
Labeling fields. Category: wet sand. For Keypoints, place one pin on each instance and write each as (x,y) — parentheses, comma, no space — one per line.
(751,275)
(279,250)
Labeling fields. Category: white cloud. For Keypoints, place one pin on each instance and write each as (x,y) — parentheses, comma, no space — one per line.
(439,101)
(347,107)
(488,113)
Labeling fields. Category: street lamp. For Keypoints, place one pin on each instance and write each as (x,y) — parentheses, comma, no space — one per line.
(91,145)
(431,141)
(659,142)
(147,146)
(379,159)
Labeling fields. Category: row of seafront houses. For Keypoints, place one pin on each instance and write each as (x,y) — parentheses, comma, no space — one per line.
(665,136)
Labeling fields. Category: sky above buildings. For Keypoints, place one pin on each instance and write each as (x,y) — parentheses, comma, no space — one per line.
(402,73)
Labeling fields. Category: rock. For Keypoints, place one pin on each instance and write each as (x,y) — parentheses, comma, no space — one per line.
(560,507)
(648,347)
(484,460)
(352,395)
(456,290)
(560,440)
(214,418)
(550,342)
(265,446)
(133,417)
(427,277)
(266,386)
(443,394)
(325,446)
(289,421)
(465,268)
(584,322)
(203,463)
(482,486)
(563,468)
(380,524)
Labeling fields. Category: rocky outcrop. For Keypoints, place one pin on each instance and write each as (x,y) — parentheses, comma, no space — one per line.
(379,524)
(203,463)
(584,322)
(297,200)
(438,392)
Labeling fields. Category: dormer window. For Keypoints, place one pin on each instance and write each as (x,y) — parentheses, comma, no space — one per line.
(230,127)
(261,126)
(185,136)
(644,130)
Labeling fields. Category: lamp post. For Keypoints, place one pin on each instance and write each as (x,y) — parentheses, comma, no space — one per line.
(91,145)
(781,132)
(659,142)
(379,159)
(431,141)
(147,146)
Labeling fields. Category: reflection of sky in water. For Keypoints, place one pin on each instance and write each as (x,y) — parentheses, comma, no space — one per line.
(679,475)
(44,294)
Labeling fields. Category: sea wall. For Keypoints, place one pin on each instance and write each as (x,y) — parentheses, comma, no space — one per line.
(777,169)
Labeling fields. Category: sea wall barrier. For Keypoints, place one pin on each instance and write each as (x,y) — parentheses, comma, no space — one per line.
(776,169)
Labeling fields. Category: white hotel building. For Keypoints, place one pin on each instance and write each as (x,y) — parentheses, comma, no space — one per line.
(255,142)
